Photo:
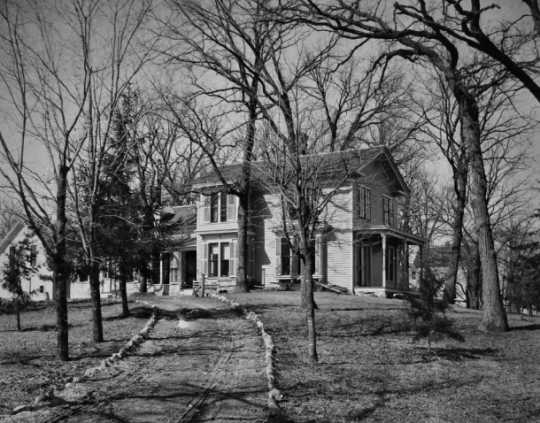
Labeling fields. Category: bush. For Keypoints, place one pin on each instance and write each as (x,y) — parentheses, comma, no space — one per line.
(428,311)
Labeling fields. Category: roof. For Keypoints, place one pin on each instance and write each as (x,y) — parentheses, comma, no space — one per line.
(336,164)
(10,236)
(179,215)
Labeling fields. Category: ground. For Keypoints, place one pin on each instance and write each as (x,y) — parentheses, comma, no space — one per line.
(371,371)
(204,362)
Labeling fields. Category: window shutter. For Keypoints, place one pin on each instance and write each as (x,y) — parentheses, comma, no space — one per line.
(206,208)
(231,208)
(278,256)
(204,261)
(233,259)
(368,205)
(33,255)
(356,202)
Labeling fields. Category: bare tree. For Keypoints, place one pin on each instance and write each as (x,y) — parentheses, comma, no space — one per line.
(232,40)
(47,99)
(419,39)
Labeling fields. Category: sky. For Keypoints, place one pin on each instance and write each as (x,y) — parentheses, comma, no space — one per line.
(38,160)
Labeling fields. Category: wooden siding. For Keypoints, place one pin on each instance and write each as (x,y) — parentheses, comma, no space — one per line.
(380,183)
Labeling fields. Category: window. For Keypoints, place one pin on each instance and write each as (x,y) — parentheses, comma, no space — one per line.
(221,259)
(213,259)
(223,207)
(364,197)
(225,259)
(389,212)
(174,270)
(41,289)
(219,207)
(285,257)
(287,262)
(214,207)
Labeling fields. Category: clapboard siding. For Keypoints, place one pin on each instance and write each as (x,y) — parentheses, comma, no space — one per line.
(339,241)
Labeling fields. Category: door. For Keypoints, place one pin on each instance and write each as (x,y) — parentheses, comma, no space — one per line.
(190,268)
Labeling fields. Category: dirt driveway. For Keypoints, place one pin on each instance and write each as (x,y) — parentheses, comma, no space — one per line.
(207,365)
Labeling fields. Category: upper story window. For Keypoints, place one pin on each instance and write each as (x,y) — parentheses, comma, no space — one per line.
(364,203)
(219,207)
(389,211)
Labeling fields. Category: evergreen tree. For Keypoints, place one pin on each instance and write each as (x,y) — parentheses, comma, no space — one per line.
(21,265)
(118,217)
(428,311)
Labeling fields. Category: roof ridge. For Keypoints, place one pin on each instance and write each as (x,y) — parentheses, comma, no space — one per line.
(10,236)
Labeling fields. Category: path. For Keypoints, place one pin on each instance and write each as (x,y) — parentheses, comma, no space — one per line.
(205,369)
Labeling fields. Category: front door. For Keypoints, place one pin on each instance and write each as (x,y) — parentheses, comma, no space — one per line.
(190,268)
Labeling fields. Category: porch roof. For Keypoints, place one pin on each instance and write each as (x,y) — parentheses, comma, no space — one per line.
(397,233)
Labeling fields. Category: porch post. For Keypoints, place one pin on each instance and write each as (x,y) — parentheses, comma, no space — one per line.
(161,269)
(383,236)
(180,269)
(405,270)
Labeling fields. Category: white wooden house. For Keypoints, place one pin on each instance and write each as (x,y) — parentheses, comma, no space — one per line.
(362,246)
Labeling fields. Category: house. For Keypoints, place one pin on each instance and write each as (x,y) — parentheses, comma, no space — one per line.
(39,285)
(362,246)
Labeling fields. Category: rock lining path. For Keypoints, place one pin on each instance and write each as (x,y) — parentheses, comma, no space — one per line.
(207,369)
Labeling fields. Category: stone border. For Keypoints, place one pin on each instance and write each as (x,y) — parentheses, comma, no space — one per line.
(274,395)
(50,397)
(130,345)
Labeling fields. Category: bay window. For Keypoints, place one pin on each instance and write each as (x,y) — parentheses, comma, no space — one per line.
(219,259)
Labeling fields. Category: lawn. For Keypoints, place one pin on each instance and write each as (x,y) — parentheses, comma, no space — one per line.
(371,371)
(27,358)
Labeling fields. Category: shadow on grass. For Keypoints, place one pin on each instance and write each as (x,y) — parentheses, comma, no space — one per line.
(40,328)
(534,326)
(456,354)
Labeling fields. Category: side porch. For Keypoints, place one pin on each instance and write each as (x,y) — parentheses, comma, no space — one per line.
(381,260)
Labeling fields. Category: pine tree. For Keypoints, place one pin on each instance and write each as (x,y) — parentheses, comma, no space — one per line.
(118,221)
(21,265)
(428,311)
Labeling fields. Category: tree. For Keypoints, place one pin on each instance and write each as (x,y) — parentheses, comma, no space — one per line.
(21,265)
(523,267)
(118,67)
(511,43)
(45,102)
(118,218)
(420,38)
(233,40)
(306,185)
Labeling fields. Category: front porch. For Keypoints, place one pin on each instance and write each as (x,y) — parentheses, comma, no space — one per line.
(178,268)
(381,261)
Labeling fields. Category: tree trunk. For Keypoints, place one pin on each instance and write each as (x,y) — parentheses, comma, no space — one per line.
(243,225)
(460,187)
(494,316)
(155,265)
(18,314)
(245,193)
(60,271)
(474,280)
(143,279)
(97,321)
(123,290)
(307,294)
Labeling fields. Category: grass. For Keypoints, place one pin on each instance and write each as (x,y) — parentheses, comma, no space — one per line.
(370,370)
(27,359)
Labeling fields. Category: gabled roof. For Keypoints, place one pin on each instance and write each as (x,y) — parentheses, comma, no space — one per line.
(10,236)
(331,165)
